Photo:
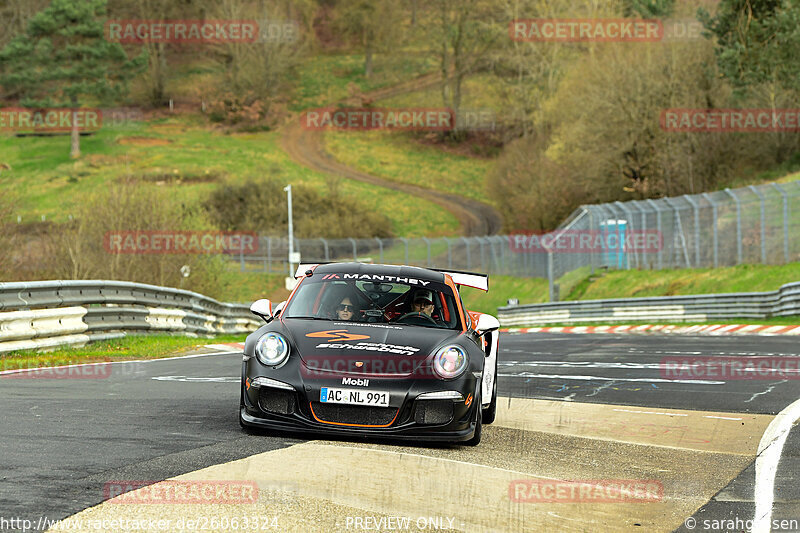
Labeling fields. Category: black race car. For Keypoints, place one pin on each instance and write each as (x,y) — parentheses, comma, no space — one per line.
(377,350)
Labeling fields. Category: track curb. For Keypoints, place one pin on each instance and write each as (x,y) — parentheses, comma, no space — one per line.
(710,329)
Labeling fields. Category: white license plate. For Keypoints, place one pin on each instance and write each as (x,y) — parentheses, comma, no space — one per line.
(354,396)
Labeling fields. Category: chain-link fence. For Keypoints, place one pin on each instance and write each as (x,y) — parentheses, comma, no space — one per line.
(724,228)
(747,225)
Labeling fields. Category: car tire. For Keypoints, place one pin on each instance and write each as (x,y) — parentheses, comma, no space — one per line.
(476,437)
(488,415)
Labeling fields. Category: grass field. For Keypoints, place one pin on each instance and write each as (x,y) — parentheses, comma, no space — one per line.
(187,156)
(396,157)
(132,347)
(325,79)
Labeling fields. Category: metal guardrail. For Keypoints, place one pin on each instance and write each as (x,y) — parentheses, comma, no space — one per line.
(698,308)
(45,314)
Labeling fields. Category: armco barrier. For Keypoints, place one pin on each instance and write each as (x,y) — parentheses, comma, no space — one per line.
(699,308)
(46,314)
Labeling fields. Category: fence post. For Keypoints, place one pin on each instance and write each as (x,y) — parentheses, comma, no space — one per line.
(469,261)
(269,255)
(696,209)
(449,254)
(241,259)
(428,243)
(550,281)
(327,252)
(658,228)
(785,221)
(714,224)
(355,252)
(380,246)
(261,245)
(628,228)
(591,233)
(680,232)
(763,223)
(644,231)
(406,243)
(738,225)
(483,256)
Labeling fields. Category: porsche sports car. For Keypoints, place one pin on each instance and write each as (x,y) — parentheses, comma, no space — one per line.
(373,350)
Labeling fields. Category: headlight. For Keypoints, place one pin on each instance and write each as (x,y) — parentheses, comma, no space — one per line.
(272,349)
(450,361)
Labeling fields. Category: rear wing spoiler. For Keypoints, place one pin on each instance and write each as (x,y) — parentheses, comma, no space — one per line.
(469,279)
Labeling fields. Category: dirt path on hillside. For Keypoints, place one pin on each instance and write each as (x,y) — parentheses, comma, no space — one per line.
(305,147)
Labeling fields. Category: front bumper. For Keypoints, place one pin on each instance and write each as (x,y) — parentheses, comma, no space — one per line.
(291,403)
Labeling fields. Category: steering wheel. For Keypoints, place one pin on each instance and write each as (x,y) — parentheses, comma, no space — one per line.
(414,314)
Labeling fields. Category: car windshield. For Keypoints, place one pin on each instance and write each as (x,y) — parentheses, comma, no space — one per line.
(425,304)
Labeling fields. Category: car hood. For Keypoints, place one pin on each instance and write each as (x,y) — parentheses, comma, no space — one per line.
(392,349)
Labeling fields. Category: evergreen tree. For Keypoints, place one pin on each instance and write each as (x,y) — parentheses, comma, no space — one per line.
(758,41)
(64,60)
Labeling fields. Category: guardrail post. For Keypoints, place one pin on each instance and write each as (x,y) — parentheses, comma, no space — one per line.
(696,209)
(657,209)
(380,246)
(483,256)
(714,224)
(327,252)
(355,252)
(763,223)
(738,225)
(785,221)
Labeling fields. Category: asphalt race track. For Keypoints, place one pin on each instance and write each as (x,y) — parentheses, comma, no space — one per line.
(588,409)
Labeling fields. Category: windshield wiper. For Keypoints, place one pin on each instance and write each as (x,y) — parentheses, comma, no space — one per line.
(309,317)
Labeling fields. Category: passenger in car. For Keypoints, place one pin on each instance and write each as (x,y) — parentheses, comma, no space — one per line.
(346,310)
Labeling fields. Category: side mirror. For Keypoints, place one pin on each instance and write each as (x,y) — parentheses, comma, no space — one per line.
(262,308)
(278,308)
(487,323)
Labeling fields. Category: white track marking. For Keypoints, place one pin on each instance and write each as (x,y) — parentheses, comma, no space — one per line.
(601,378)
(771,387)
(649,412)
(186,379)
(769,455)
(721,417)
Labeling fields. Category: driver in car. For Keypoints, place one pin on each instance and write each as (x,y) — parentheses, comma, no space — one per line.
(423,302)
